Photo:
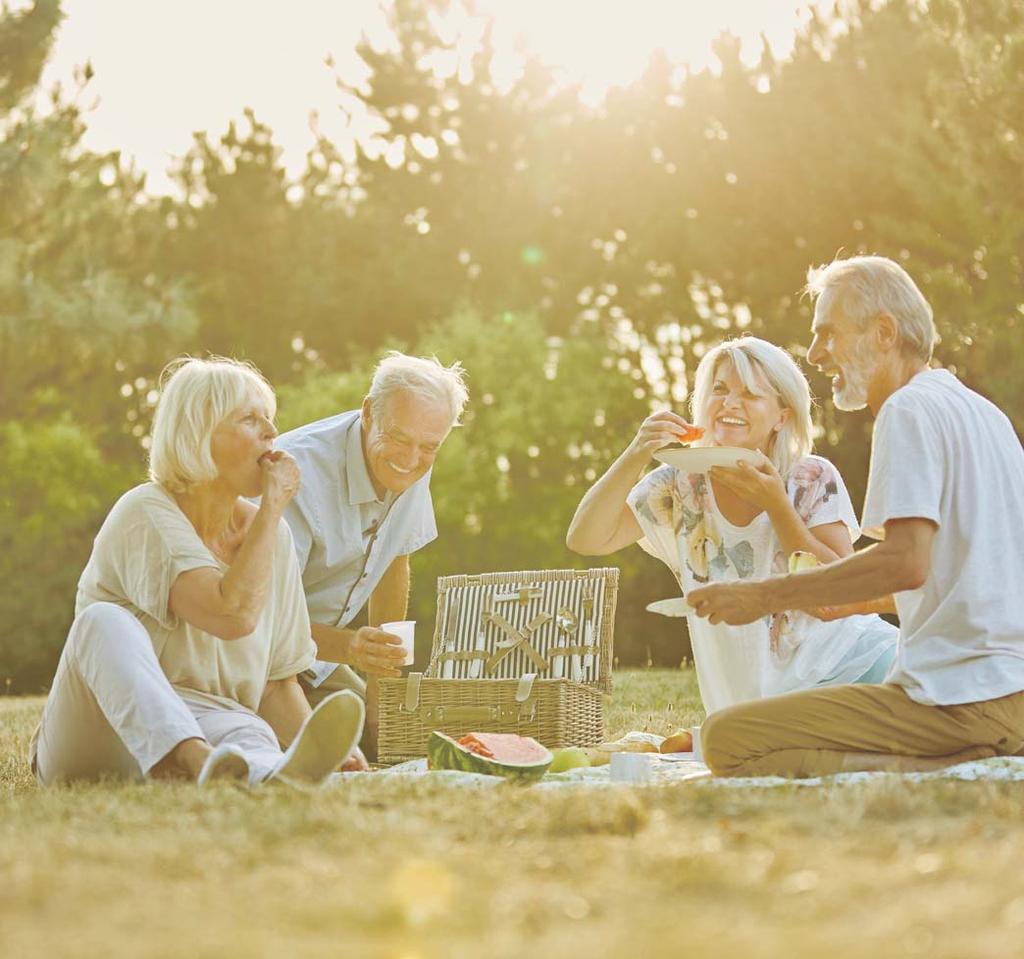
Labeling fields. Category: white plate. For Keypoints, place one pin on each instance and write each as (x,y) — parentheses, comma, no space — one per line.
(676,606)
(699,459)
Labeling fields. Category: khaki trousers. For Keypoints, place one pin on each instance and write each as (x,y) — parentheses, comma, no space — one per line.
(822,731)
(344,677)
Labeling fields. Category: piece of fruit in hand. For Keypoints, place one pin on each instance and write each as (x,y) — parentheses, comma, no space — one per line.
(799,560)
(690,434)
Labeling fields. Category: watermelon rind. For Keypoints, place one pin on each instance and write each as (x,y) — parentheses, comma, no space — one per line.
(445,753)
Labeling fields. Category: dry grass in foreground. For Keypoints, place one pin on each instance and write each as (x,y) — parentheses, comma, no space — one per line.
(416,871)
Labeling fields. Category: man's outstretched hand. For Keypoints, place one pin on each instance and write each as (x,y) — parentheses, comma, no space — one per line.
(734,603)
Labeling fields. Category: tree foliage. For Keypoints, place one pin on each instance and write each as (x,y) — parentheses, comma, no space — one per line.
(578,259)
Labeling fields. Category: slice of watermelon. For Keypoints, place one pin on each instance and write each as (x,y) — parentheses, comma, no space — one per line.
(474,745)
(514,757)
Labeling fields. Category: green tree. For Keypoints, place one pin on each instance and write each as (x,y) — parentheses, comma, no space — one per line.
(79,320)
(54,489)
(238,239)
(578,259)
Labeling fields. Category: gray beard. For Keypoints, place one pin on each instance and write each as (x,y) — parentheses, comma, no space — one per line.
(856,375)
(853,396)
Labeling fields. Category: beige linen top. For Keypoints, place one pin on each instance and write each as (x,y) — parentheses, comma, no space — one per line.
(145,543)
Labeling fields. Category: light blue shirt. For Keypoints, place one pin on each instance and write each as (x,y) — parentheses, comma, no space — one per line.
(345,536)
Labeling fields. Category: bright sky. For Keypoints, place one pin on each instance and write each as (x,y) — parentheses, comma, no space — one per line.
(167,68)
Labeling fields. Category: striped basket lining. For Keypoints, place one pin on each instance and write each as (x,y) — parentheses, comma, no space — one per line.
(463,628)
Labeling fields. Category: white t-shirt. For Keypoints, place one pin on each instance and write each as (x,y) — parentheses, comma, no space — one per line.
(942,452)
(145,543)
(684,528)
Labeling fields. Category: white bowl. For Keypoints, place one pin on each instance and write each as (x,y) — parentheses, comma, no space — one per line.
(699,459)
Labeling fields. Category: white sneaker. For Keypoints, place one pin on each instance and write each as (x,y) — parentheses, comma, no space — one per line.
(224,762)
(324,742)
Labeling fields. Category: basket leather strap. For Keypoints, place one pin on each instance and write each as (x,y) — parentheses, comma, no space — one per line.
(525,687)
(412,692)
(516,638)
(580,650)
(439,715)
(461,656)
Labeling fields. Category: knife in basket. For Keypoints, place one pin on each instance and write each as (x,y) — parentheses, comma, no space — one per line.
(588,627)
(476,665)
(450,628)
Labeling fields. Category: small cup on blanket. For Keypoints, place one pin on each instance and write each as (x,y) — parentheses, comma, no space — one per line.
(632,767)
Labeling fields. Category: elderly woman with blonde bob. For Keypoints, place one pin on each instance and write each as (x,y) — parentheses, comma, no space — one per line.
(190,622)
(742,522)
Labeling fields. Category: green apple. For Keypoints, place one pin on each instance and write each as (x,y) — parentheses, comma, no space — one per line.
(572,757)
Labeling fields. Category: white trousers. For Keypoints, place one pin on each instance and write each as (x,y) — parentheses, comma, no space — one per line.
(112,712)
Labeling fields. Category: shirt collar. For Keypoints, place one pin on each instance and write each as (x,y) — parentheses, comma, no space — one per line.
(360,486)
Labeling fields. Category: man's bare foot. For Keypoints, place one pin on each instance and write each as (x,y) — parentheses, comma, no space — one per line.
(184,761)
(356,762)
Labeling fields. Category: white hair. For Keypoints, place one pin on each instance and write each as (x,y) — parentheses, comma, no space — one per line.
(758,362)
(195,396)
(424,377)
(864,287)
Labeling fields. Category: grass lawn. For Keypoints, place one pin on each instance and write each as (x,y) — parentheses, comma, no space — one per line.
(413,870)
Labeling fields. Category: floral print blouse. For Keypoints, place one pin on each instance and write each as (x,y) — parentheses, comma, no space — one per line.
(684,528)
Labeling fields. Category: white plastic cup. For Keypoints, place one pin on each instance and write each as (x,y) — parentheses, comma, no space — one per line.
(698,753)
(406,632)
(632,767)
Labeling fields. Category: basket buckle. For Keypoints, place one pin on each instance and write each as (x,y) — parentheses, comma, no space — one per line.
(507,712)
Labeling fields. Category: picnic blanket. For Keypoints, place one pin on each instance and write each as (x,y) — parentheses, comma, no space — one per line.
(677,768)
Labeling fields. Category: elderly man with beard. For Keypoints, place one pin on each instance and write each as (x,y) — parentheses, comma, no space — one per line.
(363,508)
(945,500)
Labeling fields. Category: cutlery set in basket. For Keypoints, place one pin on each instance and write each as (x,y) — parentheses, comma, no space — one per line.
(524,652)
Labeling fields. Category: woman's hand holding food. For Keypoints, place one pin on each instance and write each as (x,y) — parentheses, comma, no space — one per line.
(660,429)
(280,479)
(603,522)
(759,485)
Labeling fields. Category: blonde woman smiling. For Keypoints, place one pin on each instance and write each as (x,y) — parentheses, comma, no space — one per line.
(190,621)
(740,523)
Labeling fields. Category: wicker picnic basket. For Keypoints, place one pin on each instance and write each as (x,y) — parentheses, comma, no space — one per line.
(525,652)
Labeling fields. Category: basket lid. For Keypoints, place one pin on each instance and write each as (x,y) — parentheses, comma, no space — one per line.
(558,624)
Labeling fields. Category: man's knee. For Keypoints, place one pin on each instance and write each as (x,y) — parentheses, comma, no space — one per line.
(711,742)
(721,741)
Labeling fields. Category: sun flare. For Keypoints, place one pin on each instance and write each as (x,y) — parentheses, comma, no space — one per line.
(274,59)
(601,45)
